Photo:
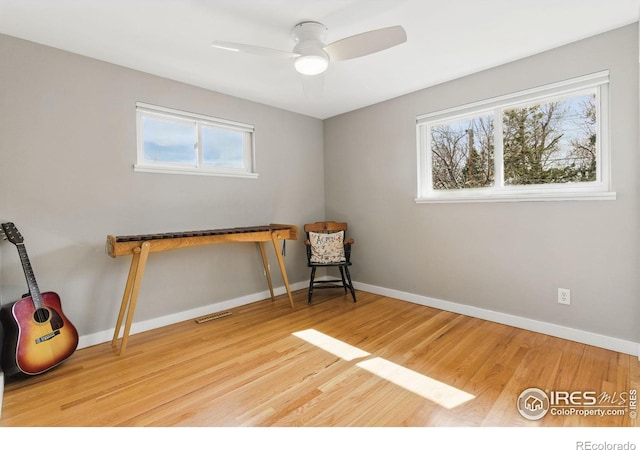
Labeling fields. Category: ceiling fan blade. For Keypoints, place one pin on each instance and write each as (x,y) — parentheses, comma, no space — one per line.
(366,43)
(253,49)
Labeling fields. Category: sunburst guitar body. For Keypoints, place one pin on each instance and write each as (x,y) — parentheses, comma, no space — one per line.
(38,336)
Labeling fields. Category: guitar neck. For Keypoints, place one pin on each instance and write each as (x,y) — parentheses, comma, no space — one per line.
(30,276)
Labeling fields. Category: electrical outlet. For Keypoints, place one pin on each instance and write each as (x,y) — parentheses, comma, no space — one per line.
(564,296)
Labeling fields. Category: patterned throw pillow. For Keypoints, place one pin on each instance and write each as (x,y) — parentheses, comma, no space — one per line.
(327,248)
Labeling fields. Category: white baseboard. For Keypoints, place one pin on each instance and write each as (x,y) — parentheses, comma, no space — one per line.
(572,334)
(146,325)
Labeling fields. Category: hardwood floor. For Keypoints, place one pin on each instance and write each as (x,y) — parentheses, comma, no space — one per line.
(422,368)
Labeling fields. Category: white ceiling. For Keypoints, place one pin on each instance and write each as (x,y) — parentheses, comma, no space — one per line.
(446,39)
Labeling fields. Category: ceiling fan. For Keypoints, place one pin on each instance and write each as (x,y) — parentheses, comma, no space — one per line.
(311,55)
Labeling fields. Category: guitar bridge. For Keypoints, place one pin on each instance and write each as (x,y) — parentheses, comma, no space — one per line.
(47,337)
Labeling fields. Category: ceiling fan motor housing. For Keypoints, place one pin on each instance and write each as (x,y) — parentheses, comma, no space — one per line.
(310,39)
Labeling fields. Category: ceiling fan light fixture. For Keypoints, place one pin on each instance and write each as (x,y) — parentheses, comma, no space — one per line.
(309,38)
(311,64)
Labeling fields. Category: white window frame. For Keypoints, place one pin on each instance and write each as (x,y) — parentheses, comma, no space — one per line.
(600,189)
(198,120)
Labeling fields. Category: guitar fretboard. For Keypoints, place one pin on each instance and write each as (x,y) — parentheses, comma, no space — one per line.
(30,276)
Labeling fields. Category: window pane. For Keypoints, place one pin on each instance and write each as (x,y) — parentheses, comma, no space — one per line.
(462,153)
(168,142)
(552,142)
(223,147)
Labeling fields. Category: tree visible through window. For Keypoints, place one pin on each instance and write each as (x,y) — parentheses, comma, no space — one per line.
(463,154)
(530,141)
(552,142)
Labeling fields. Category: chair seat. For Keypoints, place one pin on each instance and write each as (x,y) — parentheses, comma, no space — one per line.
(329,264)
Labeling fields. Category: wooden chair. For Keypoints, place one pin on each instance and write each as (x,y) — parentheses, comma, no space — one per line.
(327,246)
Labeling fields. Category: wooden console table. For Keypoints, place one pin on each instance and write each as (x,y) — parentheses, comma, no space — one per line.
(140,246)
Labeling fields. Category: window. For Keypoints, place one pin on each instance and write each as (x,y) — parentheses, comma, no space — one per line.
(171,141)
(547,143)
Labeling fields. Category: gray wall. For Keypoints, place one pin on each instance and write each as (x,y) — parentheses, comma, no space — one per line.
(67,146)
(67,149)
(505,257)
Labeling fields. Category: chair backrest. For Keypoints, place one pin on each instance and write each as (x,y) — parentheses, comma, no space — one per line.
(327,251)
(326,227)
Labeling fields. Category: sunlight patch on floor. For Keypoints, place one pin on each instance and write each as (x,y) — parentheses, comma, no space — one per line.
(331,345)
(433,390)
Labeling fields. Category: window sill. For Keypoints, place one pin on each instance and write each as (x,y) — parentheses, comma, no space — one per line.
(518,197)
(188,171)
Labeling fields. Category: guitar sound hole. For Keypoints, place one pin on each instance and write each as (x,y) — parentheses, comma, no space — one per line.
(41,315)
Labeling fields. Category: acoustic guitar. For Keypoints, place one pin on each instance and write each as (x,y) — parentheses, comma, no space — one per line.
(38,336)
